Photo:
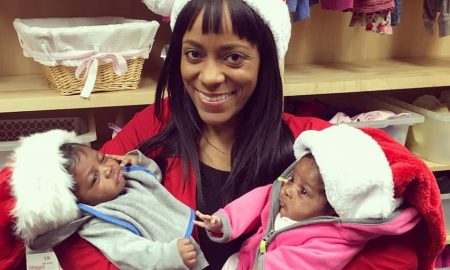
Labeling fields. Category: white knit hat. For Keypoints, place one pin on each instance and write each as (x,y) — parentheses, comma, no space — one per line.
(274,13)
(160,7)
(356,174)
(41,186)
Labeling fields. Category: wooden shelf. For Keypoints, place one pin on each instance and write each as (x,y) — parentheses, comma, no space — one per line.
(435,167)
(31,93)
(364,76)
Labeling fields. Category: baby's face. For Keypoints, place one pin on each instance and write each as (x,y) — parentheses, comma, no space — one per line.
(303,197)
(99,178)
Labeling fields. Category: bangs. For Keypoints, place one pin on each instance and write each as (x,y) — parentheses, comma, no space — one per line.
(245,23)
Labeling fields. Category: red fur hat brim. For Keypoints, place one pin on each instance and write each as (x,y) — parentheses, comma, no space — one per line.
(12,248)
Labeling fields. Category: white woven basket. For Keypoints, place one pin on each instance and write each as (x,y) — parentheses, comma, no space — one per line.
(85,43)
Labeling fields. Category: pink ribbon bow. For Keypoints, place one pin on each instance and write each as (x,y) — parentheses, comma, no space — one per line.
(90,66)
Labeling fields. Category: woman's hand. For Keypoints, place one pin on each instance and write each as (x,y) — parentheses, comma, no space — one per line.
(187,252)
(125,160)
(210,223)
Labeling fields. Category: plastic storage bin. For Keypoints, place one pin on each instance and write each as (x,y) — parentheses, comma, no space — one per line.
(85,54)
(12,130)
(430,139)
(396,128)
(446,206)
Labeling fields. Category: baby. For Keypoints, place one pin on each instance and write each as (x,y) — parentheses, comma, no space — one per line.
(125,211)
(320,212)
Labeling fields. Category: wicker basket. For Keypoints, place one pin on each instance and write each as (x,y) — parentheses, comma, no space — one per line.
(62,78)
(92,46)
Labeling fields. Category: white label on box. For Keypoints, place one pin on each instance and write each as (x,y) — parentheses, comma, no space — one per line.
(43,261)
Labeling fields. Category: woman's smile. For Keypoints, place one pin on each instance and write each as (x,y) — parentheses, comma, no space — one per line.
(214,99)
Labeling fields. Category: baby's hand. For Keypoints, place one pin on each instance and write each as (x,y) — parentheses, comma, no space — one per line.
(187,252)
(124,160)
(210,223)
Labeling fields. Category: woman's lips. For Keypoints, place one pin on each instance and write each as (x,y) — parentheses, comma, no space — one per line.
(214,98)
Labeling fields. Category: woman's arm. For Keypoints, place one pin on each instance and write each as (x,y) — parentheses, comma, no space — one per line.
(75,253)
(388,252)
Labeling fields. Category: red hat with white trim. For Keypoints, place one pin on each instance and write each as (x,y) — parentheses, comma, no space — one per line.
(35,193)
(356,174)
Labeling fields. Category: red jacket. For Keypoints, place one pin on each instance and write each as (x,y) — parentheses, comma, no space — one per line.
(390,252)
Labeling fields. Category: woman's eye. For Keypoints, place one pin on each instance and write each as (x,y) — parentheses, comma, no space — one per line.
(235,58)
(192,54)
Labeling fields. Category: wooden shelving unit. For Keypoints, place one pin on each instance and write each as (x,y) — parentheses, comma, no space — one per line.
(31,93)
(437,166)
(365,76)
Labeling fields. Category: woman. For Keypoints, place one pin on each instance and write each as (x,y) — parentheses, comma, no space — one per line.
(222,132)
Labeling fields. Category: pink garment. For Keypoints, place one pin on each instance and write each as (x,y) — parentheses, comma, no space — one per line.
(377,22)
(371,6)
(341,117)
(336,4)
(323,245)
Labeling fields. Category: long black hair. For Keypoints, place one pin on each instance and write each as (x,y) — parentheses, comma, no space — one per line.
(263,144)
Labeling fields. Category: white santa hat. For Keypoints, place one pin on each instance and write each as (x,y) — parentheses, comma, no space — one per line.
(274,13)
(356,174)
(40,184)
(160,7)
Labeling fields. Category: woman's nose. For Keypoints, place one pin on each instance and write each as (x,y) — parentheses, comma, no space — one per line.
(211,74)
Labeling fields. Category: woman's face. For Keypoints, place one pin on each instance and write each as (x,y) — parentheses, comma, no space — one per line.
(219,71)
(303,197)
(98,178)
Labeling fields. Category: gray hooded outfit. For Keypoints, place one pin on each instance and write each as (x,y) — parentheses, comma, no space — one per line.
(145,205)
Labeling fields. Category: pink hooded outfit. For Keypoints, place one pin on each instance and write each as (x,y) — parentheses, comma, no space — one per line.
(359,186)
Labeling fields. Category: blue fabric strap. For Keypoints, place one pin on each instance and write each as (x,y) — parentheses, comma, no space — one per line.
(190,226)
(133,168)
(100,215)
